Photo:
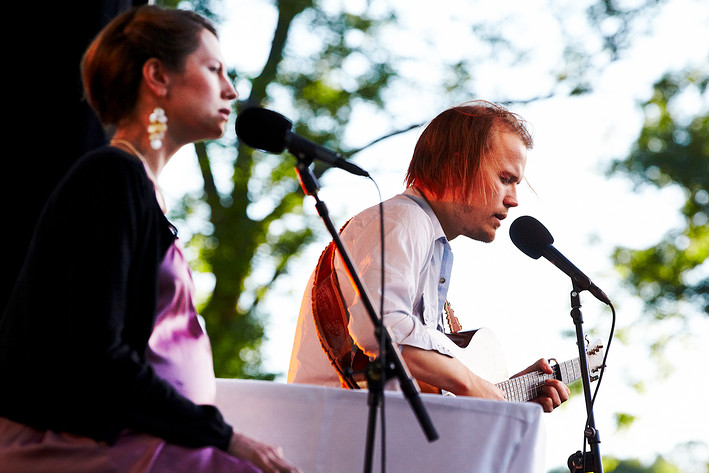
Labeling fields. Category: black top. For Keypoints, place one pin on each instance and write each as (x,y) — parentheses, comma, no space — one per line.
(74,334)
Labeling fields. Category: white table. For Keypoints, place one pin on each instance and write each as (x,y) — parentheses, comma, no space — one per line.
(324,430)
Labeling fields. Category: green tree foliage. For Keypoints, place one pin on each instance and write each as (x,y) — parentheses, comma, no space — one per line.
(673,150)
(671,277)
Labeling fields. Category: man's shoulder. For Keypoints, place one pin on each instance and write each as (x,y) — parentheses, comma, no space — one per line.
(399,207)
(400,214)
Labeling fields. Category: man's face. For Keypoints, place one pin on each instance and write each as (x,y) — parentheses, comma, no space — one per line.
(481,216)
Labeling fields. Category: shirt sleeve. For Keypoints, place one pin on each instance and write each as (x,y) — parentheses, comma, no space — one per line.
(408,243)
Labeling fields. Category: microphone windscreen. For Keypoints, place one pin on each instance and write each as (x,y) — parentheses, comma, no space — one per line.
(263,129)
(530,236)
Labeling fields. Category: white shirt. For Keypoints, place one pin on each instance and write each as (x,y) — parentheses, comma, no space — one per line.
(418,262)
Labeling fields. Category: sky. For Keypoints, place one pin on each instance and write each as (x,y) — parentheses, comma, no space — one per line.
(526,301)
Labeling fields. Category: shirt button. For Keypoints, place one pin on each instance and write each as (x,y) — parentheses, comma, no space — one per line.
(442,280)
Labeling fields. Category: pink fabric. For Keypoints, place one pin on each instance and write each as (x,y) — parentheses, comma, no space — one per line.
(24,449)
(179,349)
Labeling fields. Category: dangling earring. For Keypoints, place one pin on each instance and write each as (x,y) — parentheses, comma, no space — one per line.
(157,128)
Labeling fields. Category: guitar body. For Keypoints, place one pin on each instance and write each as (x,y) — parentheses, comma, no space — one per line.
(480,351)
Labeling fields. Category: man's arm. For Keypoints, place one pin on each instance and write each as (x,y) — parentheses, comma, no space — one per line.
(451,375)
(447,373)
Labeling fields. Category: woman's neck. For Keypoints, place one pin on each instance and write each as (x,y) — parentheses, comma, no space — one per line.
(139,144)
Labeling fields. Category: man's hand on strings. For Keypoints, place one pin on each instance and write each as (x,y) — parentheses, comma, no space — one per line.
(554,391)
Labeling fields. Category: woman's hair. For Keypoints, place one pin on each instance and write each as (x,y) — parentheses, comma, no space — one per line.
(453,150)
(111,69)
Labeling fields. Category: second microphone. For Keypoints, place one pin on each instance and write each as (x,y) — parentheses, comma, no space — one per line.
(270,131)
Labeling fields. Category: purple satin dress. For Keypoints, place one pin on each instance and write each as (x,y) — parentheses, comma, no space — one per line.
(179,348)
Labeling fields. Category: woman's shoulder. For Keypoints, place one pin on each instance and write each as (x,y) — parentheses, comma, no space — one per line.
(108,157)
(113,179)
(108,168)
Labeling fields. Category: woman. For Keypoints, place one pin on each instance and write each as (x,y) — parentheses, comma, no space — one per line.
(103,362)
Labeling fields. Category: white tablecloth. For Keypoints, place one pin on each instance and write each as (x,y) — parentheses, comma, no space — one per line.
(324,430)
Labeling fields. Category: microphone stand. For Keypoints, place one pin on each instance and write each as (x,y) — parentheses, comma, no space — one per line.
(584,461)
(389,363)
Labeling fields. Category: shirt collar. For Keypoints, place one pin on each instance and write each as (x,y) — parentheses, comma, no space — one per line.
(414,194)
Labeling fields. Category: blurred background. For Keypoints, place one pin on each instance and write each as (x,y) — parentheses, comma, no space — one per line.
(616,95)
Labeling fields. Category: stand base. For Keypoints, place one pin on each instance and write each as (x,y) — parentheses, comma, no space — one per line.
(576,462)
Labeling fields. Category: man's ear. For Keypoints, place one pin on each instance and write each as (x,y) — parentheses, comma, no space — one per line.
(156,77)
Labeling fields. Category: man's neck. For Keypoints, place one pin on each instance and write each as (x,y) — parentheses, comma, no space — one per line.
(441,207)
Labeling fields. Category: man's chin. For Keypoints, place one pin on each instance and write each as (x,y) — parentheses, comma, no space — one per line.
(483,237)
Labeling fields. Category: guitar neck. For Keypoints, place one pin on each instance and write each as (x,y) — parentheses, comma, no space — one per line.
(527,387)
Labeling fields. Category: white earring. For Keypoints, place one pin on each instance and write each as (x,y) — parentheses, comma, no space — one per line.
(157,128)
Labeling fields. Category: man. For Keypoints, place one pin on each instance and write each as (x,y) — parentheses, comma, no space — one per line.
(462,180)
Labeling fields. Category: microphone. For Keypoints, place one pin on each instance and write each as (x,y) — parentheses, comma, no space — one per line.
(534,240)
(270,131)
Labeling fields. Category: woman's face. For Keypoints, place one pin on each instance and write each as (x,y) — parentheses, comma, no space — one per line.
(198,100)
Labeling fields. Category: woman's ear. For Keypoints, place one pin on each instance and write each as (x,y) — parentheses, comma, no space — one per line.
(156,77)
